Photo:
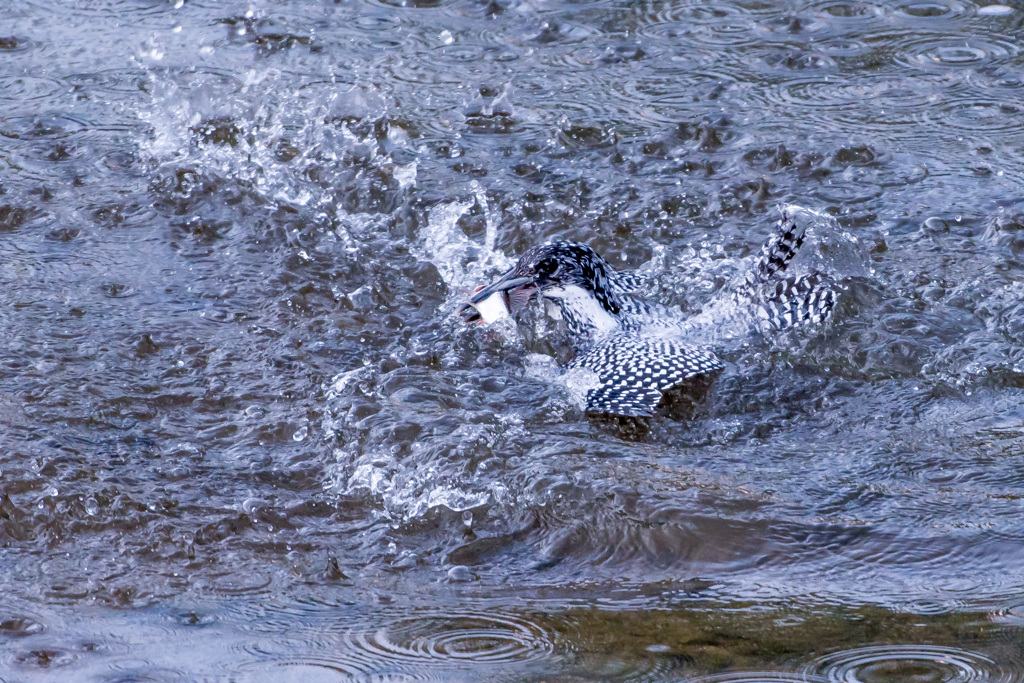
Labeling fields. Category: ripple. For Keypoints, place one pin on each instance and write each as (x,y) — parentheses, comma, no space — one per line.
(470,637)
(588,56)
(790,60)
(117,10)
(950,53)
(142,672)
(844,47)
(889,101)
(1011,616)
(543,33)
(9,44)
(409,646)
(19,626)
(315,669)
(759,677)
(23,88)
(241,583)
(44,657)
(907,662)
(110,80)
(49,127)
(849,13)
(977,116)
(892,92)
(421,69)
(715,26)
(930,13)
(845,193)
(412,4)
(376,22)
(663,102)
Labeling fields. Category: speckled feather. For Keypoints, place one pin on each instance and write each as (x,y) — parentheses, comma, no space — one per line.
(788,302)
(805,300)
(779,249)
(634,372)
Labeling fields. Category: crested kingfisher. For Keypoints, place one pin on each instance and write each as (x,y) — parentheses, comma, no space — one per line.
(637,349)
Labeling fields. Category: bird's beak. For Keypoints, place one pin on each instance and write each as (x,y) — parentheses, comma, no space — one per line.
(504,284)
(515,294)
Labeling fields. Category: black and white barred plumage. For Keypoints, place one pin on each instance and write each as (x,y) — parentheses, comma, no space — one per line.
(633,372)
(635,348)
(788,301)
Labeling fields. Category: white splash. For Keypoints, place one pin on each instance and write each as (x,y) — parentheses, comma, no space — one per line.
(579,382)
(462,262)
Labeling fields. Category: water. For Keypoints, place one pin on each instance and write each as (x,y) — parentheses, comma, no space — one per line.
(246,437)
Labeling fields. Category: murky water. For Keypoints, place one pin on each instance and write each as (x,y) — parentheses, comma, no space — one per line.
(246,437)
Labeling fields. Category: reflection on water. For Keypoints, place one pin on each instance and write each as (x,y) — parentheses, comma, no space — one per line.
(246,436)
(300,638)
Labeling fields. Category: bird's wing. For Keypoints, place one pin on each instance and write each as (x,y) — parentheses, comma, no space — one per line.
(634,371)
(619,400)
(629,281)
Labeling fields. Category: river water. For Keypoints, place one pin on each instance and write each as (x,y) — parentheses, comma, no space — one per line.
(246,436)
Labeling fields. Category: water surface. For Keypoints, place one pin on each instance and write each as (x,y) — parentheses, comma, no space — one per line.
(245,436)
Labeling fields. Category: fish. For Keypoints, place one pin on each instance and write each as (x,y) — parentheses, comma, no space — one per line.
(498,306)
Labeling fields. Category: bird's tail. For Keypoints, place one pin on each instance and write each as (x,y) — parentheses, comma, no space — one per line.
(785,302)
(804,300)
(779,249)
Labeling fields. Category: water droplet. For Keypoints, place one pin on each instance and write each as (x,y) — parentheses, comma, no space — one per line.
(300,433)
(995,11)
(446,37)
(467,519)
(460,574)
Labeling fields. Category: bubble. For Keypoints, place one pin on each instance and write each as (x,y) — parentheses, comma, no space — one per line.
(995,11)
(460,574)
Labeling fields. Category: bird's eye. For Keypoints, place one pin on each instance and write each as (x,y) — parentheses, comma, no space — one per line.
(547,267)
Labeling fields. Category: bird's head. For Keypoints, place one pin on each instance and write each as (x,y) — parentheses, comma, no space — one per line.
(568,274)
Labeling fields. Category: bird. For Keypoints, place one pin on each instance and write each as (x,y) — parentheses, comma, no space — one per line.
(637,350)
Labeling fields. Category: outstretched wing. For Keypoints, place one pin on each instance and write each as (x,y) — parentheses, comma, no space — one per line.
(634,372)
